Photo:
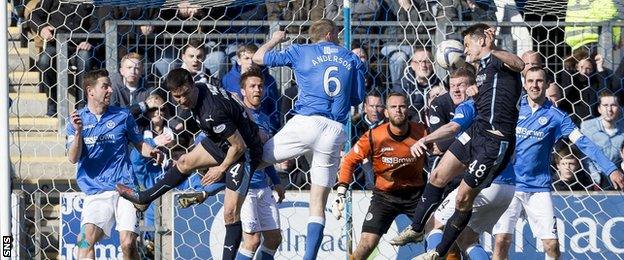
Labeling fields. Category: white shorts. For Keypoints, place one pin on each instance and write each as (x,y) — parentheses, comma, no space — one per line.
(537,207)
(303,135)
(107,208)
(259,211)
(488,206)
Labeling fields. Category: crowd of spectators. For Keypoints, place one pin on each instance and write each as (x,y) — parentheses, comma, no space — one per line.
(393,64)
(585,88)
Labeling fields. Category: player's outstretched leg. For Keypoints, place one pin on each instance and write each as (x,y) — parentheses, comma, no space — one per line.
(459,220)
(316,221)
(199,157)
(192,198)
(431,198)
(233,227)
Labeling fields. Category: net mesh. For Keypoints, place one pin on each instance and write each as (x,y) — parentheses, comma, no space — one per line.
(46,65)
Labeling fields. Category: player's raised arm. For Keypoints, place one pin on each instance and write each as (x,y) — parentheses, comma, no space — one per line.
(277,38)
(74,138)
(510,60)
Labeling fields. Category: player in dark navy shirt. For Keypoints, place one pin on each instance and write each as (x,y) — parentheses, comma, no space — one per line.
(483,149)
(230,135)
(442,108)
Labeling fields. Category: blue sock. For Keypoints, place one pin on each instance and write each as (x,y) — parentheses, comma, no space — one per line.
(244,254)
(316,225)
(476,252)
(433,239)
(266,254)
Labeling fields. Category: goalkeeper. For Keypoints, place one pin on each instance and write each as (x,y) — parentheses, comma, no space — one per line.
(399,176)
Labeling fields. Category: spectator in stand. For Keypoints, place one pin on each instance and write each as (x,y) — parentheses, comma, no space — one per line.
(412,11)
(129,87)
(270,99)
(553,93)
(361,10)
(583,78)
(158,135)
(374,80)
(165,60)
(516,36)
(583,36)
(295,10)
(607,132)
(417,81)
(372,117)
(480,10)
(125,33)
(193,56)
(49,19)
(570,175)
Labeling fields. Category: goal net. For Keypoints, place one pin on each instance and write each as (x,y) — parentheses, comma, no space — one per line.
(52,43)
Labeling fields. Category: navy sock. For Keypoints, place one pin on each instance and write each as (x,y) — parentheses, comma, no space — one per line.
(428,203)
(170,180)
(266,254)
(233,237)
(454,226)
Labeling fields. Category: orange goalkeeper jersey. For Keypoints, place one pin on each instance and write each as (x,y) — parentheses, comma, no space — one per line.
(394,166)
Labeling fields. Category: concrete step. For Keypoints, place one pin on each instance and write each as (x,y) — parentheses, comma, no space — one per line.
(44,167)
(28,104)
(36,144)
(23,77)
(34,124)
(25,88)
(19,58)
(14,33)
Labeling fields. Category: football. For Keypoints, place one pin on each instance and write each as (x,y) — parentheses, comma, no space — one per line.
(448,53)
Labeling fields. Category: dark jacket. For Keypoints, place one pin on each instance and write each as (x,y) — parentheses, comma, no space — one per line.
(416,93)
(64,17)
(122,96)
(582,93)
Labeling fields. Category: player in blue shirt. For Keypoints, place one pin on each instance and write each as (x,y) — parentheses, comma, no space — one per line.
(330,79)
(98,137)
(540,126)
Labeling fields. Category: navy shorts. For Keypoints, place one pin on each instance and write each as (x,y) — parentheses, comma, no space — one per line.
(238,175)
(485,154)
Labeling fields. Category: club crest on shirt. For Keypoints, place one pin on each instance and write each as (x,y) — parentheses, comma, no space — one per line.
(542,120)
(218,129)
(110,124)
(329,50)
(434,120)
(480,79)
